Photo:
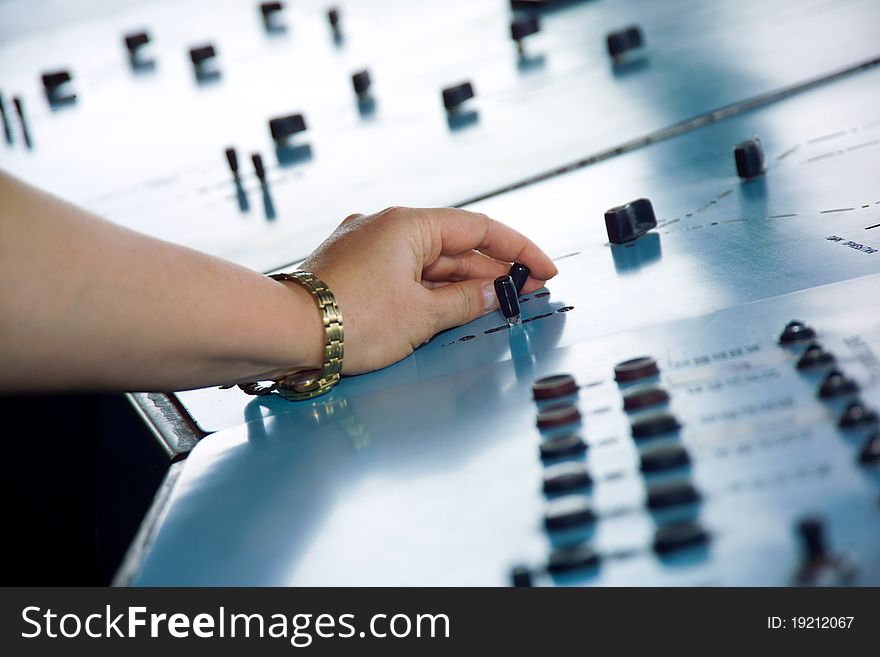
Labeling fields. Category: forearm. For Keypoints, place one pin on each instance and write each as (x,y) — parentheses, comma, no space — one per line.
(86,304)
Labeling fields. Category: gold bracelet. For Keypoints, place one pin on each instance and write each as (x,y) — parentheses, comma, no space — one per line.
(311,383)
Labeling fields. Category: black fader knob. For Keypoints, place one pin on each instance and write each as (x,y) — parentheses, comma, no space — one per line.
(657,458)
(553,386)
(678,536)
(634,369)
(572,558)
(18,104)
(870,452)
(566,478)
(813,538)
(558,447)
(814,355)
(282,127)
(568,512)
(625,223)
(54,79)
(520,28)
(456,95)
(837,384)
(856,415)
(520,576)
(655,424)
(796,331)
(257,159)
(361,82)
(508,299)
(666,494)
(644,397)
(4,118)
(269,9)
(136,40)
(232,160)
(520,274)
(749,157)
(200,54)
(333,18)
(623,41)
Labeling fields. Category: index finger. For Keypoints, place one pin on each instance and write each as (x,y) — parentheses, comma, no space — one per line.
(455,231)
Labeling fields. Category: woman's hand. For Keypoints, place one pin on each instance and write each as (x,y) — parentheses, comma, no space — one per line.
(89,305)
(404,274)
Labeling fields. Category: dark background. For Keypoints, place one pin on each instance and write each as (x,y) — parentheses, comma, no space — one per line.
(81,471)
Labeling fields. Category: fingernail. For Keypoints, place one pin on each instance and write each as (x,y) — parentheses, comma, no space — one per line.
(490,299)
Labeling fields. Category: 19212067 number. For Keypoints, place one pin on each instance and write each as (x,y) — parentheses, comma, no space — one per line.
(810,622)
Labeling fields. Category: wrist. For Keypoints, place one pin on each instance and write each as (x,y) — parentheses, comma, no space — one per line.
(300,328)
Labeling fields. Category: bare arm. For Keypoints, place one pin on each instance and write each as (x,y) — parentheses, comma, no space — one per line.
(87,304)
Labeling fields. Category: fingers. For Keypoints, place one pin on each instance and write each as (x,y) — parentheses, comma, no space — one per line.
(458,231)
(459,303)
(471,264)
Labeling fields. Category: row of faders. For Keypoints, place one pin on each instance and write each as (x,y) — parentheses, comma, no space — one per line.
(663,464)
(56,83)
(857,422)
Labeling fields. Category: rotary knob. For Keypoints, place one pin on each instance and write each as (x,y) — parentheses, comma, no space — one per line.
(627,222)
(749,158)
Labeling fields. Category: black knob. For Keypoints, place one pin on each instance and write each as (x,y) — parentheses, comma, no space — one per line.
(749,156)
(837,384)
(625,223)
(568,512)
(568,559)
(566,478)
(268,9)
(657,458)
(282,127)
(232,160)
(635,369)
(665,494)
(796,331)
(857,415)
(257,159)
(870,454)
(655,424)
(54,79)
(556,385)
(561,446)
(644,397)
(456,95)
(200,54)
(624,40)
(520,274)
(18,104)
(7,128)
(520,28)
(814,356)
(361,82)
(812,533)
(136,40)
(678,536)
(508,298)
(520,576)
(333,18)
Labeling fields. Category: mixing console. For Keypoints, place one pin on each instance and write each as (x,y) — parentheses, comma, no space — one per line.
(704,478)
(692,401)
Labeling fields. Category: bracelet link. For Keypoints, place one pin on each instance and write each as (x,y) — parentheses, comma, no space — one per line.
(312,383)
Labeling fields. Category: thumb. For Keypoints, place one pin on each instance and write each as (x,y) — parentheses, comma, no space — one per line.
(459,303)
